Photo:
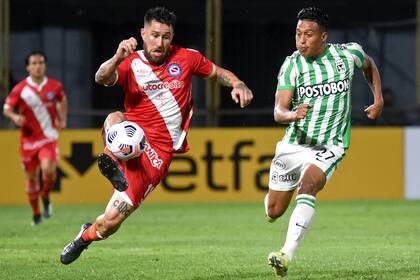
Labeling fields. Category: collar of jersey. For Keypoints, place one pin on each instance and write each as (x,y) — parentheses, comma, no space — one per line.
(143,57)
(35,85)
(326,52)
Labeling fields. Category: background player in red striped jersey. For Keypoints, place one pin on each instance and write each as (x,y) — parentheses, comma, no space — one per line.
(38,106)
(157,86)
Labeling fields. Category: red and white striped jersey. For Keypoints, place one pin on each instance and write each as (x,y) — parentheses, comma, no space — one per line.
(158,98)
(37,103)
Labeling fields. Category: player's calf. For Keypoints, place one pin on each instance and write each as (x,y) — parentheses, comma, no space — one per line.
(274,209)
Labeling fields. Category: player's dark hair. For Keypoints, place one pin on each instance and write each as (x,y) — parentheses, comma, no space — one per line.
(315,14)
(34,53)
(160,14)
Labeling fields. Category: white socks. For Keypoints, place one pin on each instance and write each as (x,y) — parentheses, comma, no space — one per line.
(300,220)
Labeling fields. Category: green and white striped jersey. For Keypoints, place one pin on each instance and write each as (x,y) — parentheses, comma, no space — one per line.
(324,82)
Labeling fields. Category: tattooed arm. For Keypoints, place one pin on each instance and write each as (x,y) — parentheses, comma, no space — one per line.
(107,73)
(240,92)
(371,73)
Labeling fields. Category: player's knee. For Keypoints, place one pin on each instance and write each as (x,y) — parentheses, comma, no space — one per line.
(310,188)
(276,210)
(48,176)
(31,186)
(113,118)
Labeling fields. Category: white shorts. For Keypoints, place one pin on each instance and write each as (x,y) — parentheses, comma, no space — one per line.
(291,160)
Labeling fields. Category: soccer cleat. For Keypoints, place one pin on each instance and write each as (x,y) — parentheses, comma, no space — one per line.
(110,169)
(36,220)
(73,250)
(279,262)
(47,209)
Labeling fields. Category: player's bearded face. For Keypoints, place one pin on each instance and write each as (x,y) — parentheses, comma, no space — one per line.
(157,38)
(310,41)
(36,66)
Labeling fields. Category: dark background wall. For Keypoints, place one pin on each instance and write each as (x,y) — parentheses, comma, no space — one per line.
(78,36)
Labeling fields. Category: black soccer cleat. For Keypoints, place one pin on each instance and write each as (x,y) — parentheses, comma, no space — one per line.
(47,208)
(110,169)
(36,220)
(73,250)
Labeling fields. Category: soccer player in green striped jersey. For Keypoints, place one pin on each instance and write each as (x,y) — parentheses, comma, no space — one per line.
(314,97)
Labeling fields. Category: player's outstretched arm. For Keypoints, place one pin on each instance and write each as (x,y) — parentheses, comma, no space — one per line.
(282,112)
(240,93)
(107,73)
(371,73)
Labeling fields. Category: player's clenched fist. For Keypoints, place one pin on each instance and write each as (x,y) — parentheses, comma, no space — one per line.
(126,47)
(242,94)
(374,111)
(302,110)
(19,120)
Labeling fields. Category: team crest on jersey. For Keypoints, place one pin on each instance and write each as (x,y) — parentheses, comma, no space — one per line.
(339,64)
(174,70)
(342,47)
(50,95)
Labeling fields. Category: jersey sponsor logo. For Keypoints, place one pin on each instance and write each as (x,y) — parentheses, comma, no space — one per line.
(152,156)
(279,164)
(324,89)
(142,72)
(284,178)
(290,177)
(140,69)
(36,144)
(174,84)
(174,70)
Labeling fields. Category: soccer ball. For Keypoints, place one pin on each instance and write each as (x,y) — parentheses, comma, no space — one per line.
(125,140)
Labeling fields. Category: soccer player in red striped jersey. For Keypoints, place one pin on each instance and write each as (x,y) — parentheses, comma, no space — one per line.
(38,106)
(157,86)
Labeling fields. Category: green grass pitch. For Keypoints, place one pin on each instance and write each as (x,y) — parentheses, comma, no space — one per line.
(348,240)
